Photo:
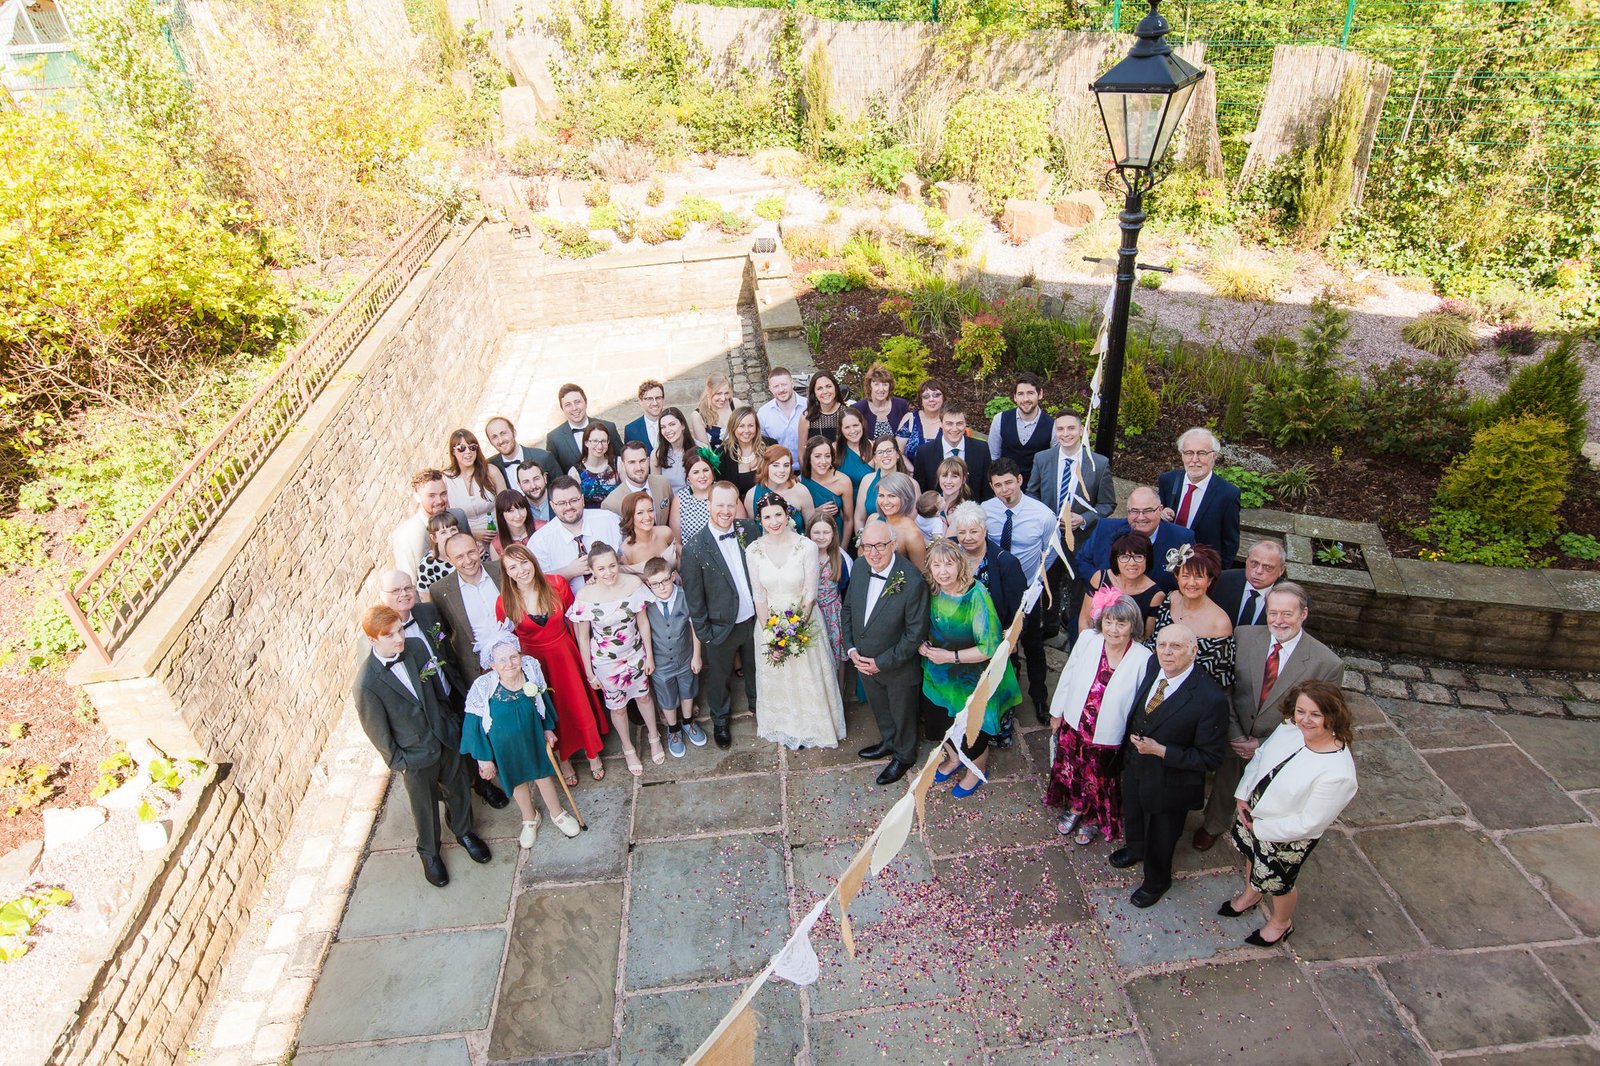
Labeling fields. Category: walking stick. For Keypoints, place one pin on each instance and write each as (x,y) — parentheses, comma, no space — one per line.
(550,748)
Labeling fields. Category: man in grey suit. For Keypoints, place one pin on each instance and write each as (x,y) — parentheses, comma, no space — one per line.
(716,583)
(1072,471)
(1272,659)
(565,442)
(466,602)
(402,716)
(885,622)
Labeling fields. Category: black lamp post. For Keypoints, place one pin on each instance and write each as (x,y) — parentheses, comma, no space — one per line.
(1142,100)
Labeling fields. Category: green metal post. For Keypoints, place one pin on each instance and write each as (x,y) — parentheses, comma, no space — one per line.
(935,10)
(1116,16)
(1349,17)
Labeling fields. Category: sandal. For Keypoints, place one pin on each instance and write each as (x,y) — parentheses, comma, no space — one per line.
(1069,822)
(568,774)
(597,769)
(1086,834)
(657,754)
(631,757)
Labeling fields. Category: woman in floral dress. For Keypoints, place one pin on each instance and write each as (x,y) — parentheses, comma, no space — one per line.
(614,638)
(597,473)
(831,574)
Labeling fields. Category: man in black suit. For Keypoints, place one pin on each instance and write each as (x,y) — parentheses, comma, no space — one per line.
(716,585)
(1243,592)
(422,622)
(1144,516)
(885,622)
(417,738)
(510,457)
(565,442)
(954,442)
(1177,733)
(1198,500)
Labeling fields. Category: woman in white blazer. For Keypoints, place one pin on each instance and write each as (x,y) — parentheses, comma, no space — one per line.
(1089,715)
(1299,781)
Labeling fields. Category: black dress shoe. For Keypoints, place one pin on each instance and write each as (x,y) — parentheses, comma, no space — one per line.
(875,751)
(1122,858)
(1142,897)
(1041,712)
(722,735)
(433,869)
(474,846)
(893,772)
(492,794)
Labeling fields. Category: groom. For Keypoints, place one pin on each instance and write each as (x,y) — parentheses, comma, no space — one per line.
(716,585)
(885,621)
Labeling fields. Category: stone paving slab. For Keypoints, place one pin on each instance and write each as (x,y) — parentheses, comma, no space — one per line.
(1430,725)
(749,754)
(716,805)
(894,966)
(1567,860)
(598,854)
(451,1052)
(817,868)
(559,988)
(391,895)
(1019,888)
(1577,967)
(1044,983)
(396,830)
(1246,1012)
(1345,912)
(1568,751)
(860,730)
(1001,814)
(1427,866)
(839,805)
(706,909)
(664,1028)
(1108,1051)
(1184,925)
(1364,710)
(1369,1022)
(1504,789)
(1501,999)
(369,988)
(922,1035)
(1220,856)
(1395,785)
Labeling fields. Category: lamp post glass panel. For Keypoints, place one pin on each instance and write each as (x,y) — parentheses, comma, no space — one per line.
(1142,100)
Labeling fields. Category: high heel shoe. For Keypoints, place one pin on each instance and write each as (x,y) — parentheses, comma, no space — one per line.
(1227,911)
(1260,942)
(941,776)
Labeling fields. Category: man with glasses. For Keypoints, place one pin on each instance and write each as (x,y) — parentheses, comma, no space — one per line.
(1144,516)
(562,545)
(1201,502)
(422,622)
(885,622)
(646,429)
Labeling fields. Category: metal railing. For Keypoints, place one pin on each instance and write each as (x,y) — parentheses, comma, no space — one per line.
(122,584)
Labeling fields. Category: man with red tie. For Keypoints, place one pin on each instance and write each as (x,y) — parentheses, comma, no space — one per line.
(1272,659)
(1196,499)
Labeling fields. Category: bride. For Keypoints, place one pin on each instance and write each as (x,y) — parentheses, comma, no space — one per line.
(783,582)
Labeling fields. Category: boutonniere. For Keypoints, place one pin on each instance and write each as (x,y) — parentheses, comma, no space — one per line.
(896,583)
(743,537)
(431,670)
(437,632)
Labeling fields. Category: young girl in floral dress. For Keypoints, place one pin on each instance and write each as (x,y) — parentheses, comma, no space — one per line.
(831,576)
(614,638)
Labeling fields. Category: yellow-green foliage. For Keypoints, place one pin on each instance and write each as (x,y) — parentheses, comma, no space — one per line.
(990,133)
(1140,405)
(1515,474)
(1240,274)
(1328,173)
(1440,333)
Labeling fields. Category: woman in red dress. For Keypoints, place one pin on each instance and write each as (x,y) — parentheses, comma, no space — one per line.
(536,606)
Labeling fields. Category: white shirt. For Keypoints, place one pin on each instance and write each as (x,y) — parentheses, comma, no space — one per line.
(398,669)
(957,450)
(1172,685)
(733,555)
(1025,428)
(1285,649)
(513,464)
(1032,524)
(875,588)
(1077,486)
(1194,504)
(479,601)
(652,429)
(782,426)
(555,545)
(669,604)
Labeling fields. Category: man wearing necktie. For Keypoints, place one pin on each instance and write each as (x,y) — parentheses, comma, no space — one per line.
(1176,735)
(953,443)
(1272,659)
(716,584)
(1199,501)
(1242,593)
(402,716)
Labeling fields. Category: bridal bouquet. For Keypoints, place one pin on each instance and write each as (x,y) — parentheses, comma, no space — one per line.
(788,636)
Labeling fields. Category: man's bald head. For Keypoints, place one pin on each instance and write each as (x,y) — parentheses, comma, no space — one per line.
(1176,646)
(1144,510)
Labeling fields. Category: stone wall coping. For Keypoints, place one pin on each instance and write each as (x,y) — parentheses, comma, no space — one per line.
(650,257)
(149,642)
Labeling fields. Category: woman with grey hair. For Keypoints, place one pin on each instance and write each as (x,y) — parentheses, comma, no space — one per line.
(1089,716)
(897,505)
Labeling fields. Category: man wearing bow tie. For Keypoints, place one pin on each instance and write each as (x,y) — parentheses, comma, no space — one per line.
(716,584)
(402,716)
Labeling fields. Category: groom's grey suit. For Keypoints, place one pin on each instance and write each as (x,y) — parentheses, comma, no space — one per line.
(890,636)
(713,599)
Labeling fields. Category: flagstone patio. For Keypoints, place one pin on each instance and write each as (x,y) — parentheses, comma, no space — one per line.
(1453,910)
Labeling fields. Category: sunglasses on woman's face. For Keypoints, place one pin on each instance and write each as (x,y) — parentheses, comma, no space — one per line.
(466,447)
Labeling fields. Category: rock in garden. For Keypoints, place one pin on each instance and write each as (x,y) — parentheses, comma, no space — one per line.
(152,836)
(957,200)
(127,796)
(1024,220)
(519,113)
(529,60)
(1036,180)
(498,192)
(63,827)
(910,187)
(1080,209)
(16,866)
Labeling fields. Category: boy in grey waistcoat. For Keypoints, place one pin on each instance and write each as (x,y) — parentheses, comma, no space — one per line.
(676,651)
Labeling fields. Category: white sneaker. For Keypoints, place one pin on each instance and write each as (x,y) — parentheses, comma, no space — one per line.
(529,831)
(565,822)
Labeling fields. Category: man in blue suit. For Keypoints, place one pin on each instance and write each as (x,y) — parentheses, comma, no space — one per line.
(1198,500)
(1144,516)
(646,428)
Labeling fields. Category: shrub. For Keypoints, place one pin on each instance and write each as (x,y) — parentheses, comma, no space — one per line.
(603,217)
(1327,172)
(534,156)
(829,281)
(1440,333)
(1461,536)
(939,304)
(741,117)
(1308,396)
(1517,339)
(1514,475)
(697,208)
(990,133)
(674,226)
(1190,201)
(980,346)
(1416,408)
(616,160)
(907,360)
(1255,488)
(19,544)
(1149,280)
(808,242)
(816,87)
(655,194)
(996,405)
(1579,546)
(1553,386)
(1140,406)
(1035,347)
(770,208)
(887,166)
(1239,274)
(651,231)
(1296,484)
(1235,410)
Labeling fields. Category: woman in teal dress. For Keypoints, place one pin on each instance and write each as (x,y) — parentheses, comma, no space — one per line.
(775,473)
(886,460)
(509,721)
(852,448)
(963,633)
(831,491)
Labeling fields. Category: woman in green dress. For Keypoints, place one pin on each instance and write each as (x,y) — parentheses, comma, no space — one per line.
(508,724)
(963,634)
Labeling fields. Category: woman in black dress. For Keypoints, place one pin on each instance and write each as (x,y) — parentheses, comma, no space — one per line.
(1132,559)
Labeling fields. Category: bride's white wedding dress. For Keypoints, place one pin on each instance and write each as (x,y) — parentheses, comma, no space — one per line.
(797,702)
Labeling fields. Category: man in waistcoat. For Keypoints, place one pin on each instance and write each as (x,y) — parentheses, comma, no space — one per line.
(1024,431)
